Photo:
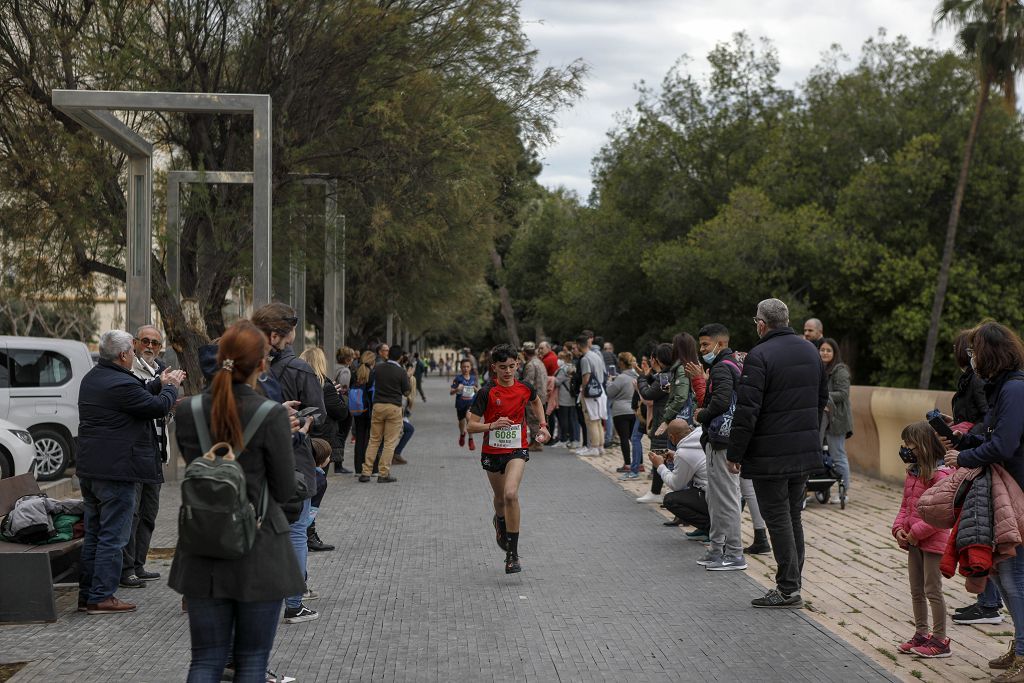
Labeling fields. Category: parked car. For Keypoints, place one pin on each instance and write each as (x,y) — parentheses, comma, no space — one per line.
(17,451)
(39,381)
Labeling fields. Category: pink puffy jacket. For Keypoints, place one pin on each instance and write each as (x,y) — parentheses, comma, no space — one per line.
(929,538)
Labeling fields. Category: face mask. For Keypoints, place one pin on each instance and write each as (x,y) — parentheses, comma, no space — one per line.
(907,455)
(710,355)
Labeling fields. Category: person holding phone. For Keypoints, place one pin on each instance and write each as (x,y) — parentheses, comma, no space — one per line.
(499,412)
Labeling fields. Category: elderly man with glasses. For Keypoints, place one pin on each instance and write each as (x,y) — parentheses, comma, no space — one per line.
(148,367)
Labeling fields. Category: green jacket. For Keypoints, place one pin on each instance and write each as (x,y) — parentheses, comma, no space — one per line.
(840,413)
(679,393)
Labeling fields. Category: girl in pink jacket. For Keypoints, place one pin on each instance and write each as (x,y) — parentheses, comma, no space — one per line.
(923,453)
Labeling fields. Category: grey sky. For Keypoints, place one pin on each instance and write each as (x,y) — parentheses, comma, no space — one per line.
(626,42)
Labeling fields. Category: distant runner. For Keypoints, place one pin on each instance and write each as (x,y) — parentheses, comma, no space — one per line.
(464,388)
(499,410)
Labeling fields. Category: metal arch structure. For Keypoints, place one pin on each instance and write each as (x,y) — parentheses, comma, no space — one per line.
(92,109)
(297,275)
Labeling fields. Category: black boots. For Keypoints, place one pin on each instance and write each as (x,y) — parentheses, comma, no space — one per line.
(760,546)
(313,541)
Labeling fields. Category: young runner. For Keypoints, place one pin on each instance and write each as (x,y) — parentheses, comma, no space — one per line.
(464,388)
(499,411)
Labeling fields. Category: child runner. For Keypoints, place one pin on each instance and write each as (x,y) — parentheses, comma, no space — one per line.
(923,453)
(464,389)
(499,410)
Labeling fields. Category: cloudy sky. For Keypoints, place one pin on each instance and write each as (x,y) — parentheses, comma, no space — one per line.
(626,41)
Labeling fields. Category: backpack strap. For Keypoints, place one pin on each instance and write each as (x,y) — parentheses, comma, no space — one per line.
(256,420)
(202,429)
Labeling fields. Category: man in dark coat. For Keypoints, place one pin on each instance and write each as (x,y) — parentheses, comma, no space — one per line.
(117,449)
(775,438)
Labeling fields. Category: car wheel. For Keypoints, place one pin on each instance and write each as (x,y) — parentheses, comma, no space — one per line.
(53,453)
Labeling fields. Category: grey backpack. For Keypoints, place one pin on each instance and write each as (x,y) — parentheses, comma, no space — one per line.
(216,518)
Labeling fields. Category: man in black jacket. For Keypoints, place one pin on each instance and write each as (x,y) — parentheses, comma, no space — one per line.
(117,449)
(776,440)
(723,488)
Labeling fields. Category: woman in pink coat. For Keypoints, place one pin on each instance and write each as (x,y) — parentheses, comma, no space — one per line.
(923,453)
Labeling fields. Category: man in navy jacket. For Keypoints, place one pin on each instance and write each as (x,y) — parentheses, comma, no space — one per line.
(775,438)
(117,449)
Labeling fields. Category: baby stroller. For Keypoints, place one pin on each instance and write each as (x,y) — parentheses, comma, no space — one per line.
(820,481)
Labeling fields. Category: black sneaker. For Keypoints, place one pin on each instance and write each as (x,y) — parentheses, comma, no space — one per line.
(131,582)
(774,598)
(976,614)
(512,564)
(297,615)
(386,480)
(758,548)
(147,576)
(499,533)
(363,478)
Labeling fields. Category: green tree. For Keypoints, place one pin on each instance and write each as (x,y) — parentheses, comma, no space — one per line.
(991,32)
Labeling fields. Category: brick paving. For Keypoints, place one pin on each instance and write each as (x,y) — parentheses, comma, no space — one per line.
(416,592)
(855,581)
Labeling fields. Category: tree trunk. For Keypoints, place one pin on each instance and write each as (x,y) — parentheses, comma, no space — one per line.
(942,283)
(505,298)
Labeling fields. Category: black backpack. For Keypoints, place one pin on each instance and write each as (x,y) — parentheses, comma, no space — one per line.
(216,518)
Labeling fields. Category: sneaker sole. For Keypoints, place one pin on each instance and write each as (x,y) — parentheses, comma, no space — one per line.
(730,568)
(794,605)
(942,655)
(982,620)
(101,612)
(705,563)
(299,620)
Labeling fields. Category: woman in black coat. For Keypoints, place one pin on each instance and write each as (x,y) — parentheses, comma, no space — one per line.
(235,605)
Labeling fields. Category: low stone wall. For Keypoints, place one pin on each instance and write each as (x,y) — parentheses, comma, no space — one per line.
(879,416)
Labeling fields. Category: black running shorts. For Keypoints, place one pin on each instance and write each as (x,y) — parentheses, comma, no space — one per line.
(461,411)
(497,463)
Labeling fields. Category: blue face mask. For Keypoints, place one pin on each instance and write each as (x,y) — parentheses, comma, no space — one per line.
(709,357)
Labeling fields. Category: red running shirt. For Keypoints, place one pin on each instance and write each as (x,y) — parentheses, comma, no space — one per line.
(494,401)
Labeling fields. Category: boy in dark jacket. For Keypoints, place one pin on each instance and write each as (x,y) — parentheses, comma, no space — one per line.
(723,495)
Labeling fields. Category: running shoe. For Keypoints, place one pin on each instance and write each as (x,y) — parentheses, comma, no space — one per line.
(512,564)
(472,444)
(499,534)
(976,614)
(297,615)
(462,440)
(778,599)
(933,649)
(626,476)
(917,640)
(710,557)
(624,468)
(727,564)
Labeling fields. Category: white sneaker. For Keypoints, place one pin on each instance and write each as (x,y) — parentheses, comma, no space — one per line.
(651,498)
(590,452)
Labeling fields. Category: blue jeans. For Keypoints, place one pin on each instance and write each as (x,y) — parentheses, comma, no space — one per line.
(300,542)
(218,626)
(109,509)
(989,598)
(407,431)
(1009,578)
(837,449)
(637,447)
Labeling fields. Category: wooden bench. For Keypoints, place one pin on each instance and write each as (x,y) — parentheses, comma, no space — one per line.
(28,572)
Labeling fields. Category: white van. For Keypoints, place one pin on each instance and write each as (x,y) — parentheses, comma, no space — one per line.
(39,381)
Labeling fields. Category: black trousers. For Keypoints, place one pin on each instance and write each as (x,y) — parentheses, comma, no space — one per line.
(582,422)
(624,428)
(419,388)
(781,501)
(338,451)
(691,506)
(361,427)
(147,505)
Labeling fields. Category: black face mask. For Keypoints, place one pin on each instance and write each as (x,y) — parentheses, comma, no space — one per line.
(907,455)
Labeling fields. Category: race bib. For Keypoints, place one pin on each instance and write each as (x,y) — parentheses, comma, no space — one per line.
(468,391)
(510,437)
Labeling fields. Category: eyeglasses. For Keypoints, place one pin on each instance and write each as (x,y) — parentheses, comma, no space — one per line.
(146,341)
(758,320)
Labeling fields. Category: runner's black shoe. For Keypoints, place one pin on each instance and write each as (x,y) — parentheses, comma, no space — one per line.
(499,531)
(512,564)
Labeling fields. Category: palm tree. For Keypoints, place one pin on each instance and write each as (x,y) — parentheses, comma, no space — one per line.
(991,32)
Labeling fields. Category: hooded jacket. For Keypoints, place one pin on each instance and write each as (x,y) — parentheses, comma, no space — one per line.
(930,538)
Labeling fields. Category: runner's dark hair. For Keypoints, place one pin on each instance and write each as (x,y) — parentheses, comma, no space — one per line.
(502,352)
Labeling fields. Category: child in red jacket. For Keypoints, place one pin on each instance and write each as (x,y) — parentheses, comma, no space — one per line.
(923,453)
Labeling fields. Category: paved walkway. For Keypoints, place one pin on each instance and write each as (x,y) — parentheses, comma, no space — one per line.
(416,592)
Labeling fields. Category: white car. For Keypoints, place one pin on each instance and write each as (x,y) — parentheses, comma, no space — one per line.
(39,380)
(17,451)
